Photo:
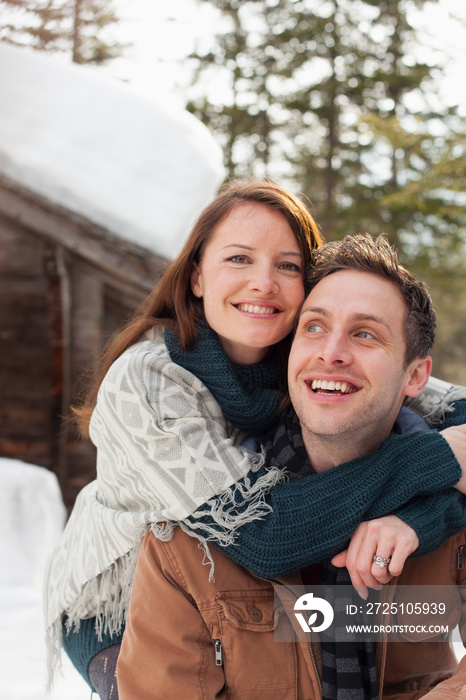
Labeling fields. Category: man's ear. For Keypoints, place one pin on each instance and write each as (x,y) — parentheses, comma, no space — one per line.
(418,373)
(196,282)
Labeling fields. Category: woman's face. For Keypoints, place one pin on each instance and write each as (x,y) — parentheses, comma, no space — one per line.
(251,281)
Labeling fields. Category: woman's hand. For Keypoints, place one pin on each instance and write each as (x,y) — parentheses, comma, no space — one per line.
(386,537)
(456,438)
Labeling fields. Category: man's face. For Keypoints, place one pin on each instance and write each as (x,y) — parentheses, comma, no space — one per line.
(347,374)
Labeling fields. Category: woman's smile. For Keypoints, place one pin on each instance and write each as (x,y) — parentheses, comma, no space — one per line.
(257,308)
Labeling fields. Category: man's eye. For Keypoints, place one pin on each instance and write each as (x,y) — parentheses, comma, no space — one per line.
(314,328)
(365,334)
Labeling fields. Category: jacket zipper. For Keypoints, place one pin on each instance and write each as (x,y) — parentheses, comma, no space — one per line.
(311,651)
(218,652)
(460,558)
(309,639)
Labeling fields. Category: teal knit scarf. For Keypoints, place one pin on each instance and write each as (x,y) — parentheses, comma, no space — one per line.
(247,394)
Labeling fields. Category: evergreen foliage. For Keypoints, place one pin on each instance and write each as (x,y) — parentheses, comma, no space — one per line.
(77,26)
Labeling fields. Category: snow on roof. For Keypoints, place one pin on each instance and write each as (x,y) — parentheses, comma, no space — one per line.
(143,169)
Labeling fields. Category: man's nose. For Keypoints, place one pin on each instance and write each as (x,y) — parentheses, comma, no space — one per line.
(263,279)
(336,349)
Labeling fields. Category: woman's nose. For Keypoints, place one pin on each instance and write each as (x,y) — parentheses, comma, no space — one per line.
(263,279)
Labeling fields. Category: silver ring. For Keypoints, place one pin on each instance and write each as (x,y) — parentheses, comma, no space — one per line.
(381,561)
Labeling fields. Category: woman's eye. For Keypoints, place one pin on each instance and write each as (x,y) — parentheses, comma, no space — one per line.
(292,267)
(238,259)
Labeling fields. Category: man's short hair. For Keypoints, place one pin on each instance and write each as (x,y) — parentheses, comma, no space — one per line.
(366,254)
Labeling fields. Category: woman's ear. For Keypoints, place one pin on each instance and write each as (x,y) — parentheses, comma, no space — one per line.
(196,282)
(418,373)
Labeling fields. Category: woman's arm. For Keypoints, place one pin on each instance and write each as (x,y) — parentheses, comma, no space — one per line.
(421,527)
(314,517)
(456,438)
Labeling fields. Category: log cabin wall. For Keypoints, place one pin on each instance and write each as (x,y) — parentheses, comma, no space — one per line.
(66,285)
(26,363)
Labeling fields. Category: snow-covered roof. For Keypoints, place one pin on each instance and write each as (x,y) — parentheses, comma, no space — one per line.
(143,169)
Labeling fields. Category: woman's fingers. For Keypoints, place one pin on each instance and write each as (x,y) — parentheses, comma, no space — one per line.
(339,560)
(387,538)
(360,560)
(406,543)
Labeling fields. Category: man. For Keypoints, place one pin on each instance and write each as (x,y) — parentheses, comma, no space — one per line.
(361,347)
(348,376)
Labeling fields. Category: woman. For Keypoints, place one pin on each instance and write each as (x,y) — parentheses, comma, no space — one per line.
(205,353)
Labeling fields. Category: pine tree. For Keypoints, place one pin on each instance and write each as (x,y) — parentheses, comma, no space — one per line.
(80,27)
(91,19)
(303,77)
(42,25)
(248,121)
(332,100)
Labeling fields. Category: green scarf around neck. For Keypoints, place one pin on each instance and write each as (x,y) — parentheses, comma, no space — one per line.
(247,394)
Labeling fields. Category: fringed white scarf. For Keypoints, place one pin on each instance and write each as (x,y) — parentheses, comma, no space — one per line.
(436,400)
(163,450)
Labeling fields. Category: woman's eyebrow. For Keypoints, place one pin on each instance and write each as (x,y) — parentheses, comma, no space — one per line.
(247,247)
(238,245)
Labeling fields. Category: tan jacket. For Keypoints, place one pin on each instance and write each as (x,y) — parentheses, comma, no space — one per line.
(188,637)
(416,669)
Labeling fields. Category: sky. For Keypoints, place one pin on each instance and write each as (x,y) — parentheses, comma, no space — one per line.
(163,34)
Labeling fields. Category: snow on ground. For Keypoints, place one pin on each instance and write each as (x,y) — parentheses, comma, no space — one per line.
(32,516)
(142,168)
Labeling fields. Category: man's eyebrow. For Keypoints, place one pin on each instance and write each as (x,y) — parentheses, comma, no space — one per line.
(247,247)
(356,317)
(314,310)
(373,318)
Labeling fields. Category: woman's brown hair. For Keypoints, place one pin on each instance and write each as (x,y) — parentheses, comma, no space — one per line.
(172,303)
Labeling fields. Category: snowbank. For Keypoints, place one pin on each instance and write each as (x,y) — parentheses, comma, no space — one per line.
(32,515)
(142,169)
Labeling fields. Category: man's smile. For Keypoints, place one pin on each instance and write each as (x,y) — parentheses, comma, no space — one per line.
(329,387)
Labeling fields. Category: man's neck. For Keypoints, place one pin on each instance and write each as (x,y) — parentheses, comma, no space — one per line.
(326,452)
